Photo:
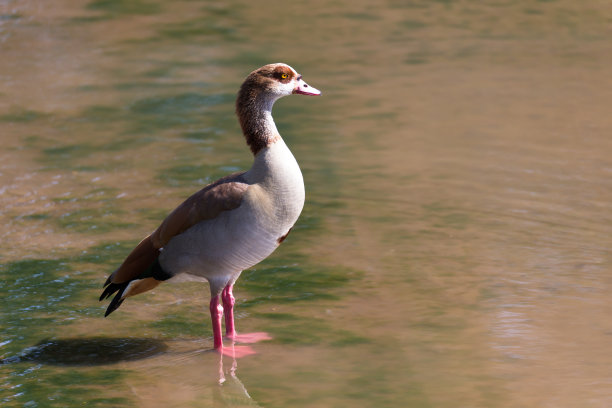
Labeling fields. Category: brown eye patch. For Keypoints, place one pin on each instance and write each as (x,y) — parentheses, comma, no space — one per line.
(283,75)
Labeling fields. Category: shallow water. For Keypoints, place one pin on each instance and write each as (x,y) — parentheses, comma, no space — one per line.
(454,250)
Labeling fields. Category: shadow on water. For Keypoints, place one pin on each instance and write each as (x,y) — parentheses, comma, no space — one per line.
(227,390)
(91,351)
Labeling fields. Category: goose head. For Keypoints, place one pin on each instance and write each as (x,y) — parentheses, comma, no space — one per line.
(273,81)
(282,80)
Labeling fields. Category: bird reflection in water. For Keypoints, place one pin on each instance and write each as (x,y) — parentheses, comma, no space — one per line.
(226,388)
(231,392)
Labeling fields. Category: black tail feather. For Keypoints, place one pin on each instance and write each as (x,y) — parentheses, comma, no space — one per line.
(108,292)
(108,280)
(153,271)
(111,288)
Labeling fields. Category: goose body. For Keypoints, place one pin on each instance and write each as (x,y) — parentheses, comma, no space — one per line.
(233,223)
(238,239)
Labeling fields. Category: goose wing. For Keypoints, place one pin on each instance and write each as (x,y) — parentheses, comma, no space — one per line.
(225,194)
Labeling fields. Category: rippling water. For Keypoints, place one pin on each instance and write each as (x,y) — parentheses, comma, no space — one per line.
(454,250)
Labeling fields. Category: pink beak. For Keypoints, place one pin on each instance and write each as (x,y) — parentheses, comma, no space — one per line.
(304,89)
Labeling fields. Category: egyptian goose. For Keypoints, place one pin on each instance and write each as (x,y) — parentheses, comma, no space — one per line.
(233,223)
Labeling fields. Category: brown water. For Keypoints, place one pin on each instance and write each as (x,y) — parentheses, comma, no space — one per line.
(454,250)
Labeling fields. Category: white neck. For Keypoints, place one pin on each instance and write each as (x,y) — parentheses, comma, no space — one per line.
(274,162)
(277,174)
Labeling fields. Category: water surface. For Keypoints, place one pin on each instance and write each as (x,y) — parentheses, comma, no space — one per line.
(454,250)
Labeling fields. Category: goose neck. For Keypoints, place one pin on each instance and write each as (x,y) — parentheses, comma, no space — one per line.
(254,110)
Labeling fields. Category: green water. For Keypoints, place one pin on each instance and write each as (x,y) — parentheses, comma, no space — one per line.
(454,249)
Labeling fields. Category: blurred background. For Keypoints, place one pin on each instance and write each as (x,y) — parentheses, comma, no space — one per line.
(454,250)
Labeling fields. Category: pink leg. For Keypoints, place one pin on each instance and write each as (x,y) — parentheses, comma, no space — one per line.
(230,330)
(228,305)
(216,312)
